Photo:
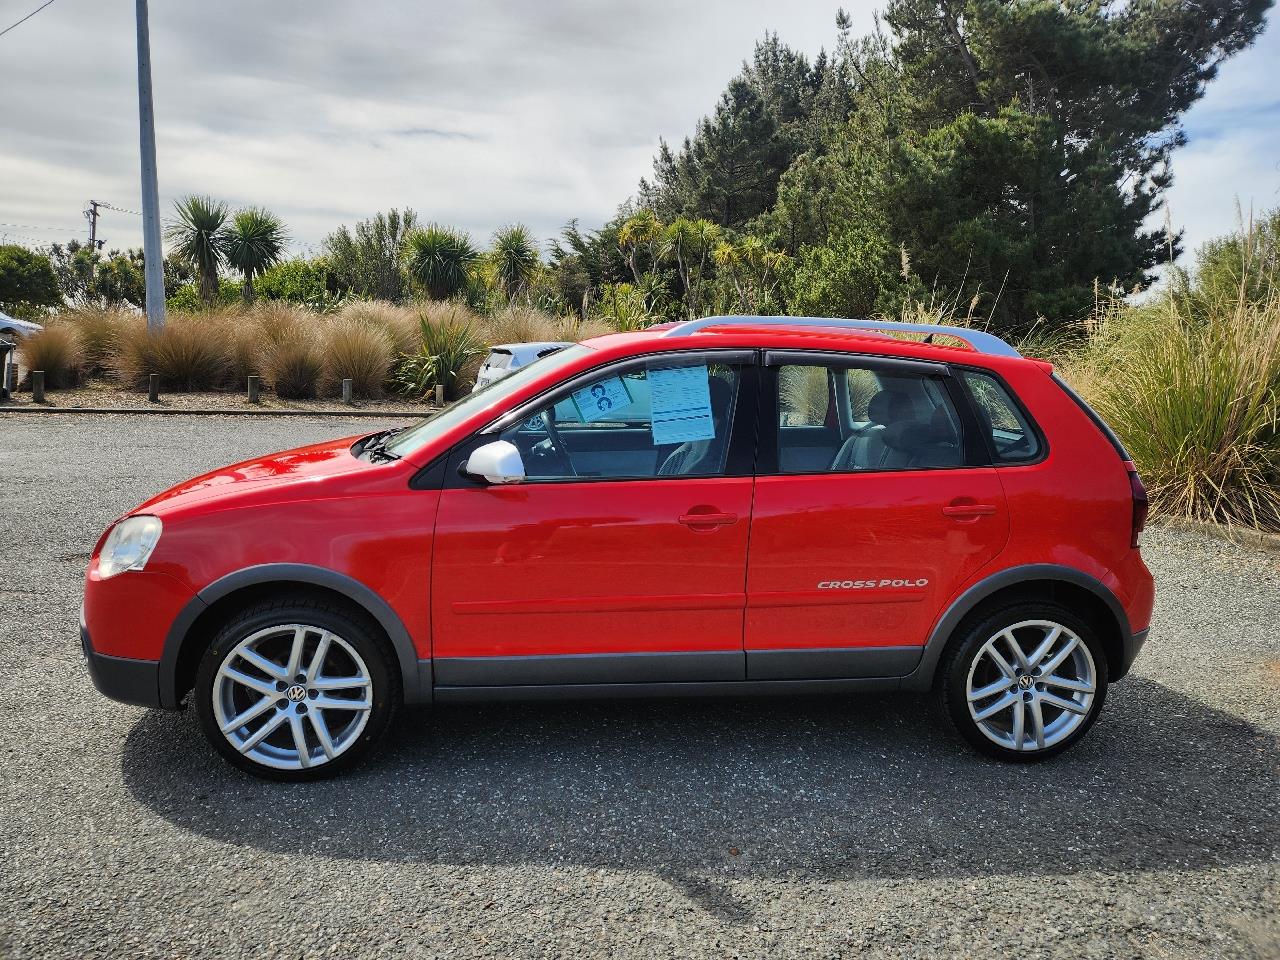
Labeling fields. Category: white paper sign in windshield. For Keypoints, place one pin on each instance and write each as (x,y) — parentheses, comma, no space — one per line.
(681,405)
(599,400)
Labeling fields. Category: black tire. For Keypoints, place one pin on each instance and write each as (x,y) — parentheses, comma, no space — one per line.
(968,644)
(358,634)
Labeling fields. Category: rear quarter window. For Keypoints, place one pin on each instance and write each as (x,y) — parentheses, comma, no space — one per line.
(1001,419)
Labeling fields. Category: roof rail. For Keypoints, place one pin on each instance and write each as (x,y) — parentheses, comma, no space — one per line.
(979,340)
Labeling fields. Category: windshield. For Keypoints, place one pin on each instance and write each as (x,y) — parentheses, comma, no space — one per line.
(416,437)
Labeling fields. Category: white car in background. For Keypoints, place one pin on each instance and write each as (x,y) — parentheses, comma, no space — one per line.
(11,328)
(506,357)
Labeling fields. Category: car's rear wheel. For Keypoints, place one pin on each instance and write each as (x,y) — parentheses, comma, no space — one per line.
(296,690)
(1025,681)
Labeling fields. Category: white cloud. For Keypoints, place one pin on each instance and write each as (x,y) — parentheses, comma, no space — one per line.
(473,114)
(555,108)
(1233,149)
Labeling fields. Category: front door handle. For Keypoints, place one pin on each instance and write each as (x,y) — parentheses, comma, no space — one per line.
(968,511)
(707,520)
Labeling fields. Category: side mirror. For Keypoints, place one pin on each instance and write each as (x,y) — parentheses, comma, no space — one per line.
(497,462)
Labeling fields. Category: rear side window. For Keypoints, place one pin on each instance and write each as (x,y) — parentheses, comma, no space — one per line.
(1013,440)
(849,418)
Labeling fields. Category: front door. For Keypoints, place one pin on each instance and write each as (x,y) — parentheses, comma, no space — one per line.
(851,560)
(622,556)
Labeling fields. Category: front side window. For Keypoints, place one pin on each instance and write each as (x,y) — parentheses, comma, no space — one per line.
(872,419)
(1000,419)
(414,438)
(664,419)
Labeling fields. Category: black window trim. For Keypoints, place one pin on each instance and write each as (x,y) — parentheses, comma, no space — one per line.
(927,368)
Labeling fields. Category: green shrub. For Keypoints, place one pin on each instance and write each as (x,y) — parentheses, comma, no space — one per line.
(356,350)
(307,283)
(187,297)
(57,351)
(622,307)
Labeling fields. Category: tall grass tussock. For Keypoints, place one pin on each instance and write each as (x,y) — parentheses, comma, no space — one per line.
(1196,400)
(57,351)
(188,354)
(355,350)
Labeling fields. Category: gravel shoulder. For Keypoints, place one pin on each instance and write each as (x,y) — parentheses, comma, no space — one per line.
(735,828)
(101,395)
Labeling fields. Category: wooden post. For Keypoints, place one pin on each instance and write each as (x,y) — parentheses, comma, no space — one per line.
(439,394)
(153,388)
(346,391)
(37,386)
(253,389)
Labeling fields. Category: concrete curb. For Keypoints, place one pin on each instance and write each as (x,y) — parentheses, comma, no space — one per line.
(169,411)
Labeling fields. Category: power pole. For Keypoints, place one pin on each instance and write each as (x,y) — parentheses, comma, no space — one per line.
(92,216)
(152,252)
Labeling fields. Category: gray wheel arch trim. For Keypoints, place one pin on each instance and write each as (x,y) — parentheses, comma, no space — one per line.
(922,677)
(415,674)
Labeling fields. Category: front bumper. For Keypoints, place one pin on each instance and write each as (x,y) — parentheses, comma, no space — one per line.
(122,678)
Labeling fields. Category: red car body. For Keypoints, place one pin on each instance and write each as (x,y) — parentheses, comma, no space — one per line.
(787,582)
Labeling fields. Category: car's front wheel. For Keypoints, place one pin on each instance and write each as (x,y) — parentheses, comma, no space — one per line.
(296,689)
(1025,681)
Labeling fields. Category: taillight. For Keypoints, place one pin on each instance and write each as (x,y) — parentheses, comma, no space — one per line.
(1139,503)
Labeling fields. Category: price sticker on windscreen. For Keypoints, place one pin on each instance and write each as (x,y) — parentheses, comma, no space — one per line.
(680,399)
(600,399)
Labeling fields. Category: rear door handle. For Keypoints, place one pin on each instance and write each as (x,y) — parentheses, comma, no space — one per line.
(966,511)
(708,519)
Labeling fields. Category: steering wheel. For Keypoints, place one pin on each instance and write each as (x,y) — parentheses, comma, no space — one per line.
(549,457)
(558,454)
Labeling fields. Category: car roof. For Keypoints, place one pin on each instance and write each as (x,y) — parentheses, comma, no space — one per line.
(14,323)
(810,334)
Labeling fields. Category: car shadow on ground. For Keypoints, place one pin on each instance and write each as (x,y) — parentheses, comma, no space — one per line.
(698,791)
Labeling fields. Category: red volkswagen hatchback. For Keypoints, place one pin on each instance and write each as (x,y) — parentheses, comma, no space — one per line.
(729,505)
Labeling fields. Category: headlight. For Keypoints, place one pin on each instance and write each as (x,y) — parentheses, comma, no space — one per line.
(129,545)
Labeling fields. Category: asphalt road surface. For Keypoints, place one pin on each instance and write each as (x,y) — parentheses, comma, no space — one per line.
(739,828)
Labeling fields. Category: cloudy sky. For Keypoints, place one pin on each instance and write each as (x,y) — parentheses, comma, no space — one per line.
(474,114)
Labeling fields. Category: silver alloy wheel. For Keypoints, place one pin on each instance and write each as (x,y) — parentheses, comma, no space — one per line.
(292,696)
(1031,685)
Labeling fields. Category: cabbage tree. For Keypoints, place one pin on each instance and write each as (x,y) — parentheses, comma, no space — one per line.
(255,241)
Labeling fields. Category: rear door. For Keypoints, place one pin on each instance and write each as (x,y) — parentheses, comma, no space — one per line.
(851,561)
(622,556)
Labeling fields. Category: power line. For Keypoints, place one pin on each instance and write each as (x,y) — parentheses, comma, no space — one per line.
(34,226)
(17,236)
(107,206)
(25,19)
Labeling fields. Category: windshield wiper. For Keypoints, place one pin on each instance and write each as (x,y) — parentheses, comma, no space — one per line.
(373,447)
